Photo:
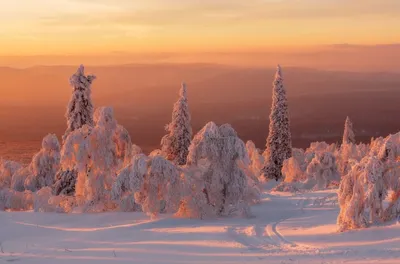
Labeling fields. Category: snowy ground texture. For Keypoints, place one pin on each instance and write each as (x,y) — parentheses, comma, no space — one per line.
(285,228)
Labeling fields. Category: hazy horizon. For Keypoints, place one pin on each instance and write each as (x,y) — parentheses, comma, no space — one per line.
(338,57)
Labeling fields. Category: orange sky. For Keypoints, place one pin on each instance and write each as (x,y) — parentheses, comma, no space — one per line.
(59,27)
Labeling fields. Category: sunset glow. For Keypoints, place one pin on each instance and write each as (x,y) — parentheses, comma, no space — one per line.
(33,27)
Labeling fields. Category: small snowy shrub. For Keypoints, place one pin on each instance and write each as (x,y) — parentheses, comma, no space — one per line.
(44,165)
(256,160)
(15,201)
(7,170)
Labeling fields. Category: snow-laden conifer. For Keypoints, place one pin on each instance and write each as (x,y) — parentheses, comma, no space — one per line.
(351,198)
(279,142)
(348,150)
(80,107)
(348,134)
(175,144)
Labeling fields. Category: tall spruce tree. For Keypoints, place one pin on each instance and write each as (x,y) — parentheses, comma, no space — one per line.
(279,142)
(175,145)
(348,134)
(80,107)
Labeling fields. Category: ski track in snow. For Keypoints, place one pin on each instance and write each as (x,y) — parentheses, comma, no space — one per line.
(285,228)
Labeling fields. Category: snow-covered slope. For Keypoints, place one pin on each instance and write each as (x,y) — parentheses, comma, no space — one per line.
(285,228)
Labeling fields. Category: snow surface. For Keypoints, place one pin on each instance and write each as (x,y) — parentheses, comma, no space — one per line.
(285,228)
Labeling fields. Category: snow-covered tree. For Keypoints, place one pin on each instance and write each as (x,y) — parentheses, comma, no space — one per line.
(161,188)
(44,165)
(389,149)
(124,145)
(348,154)
(65,182)
(389,156)
(194,202)
(103,160)
(376,191)
(75,159)
(361,192)
(225,182)
(102,156)
(348,149)
(322,170)
(40,172)
(393,209)
(41,200)
(136,150)
(80,107)
(279,142)
(301,174)
(348,134)
(19,177)
(7,170)
(96,153)
(292,170)
(256,159)
(351,199)
(128,182)
(150,182)
(79,113)
(175,145)
(15,200)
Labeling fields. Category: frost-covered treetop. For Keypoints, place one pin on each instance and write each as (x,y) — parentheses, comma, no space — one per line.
(79,81)
(80,107)
(348,135)
(213,142)
(50,143)
(183,91)
(278,73)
